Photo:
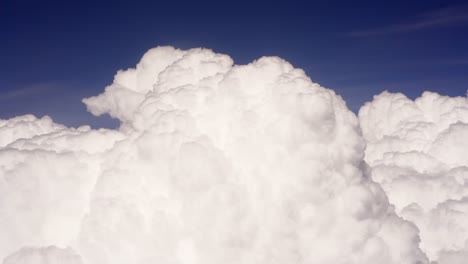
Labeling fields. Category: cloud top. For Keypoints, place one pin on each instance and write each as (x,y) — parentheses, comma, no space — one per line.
(418,151)
(213,163)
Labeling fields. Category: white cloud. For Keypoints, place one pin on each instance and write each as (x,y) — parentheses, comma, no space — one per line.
(25,127)
(48,255)
(418,151)
(213,163)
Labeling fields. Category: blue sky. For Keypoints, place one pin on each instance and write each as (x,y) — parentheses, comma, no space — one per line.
(54,53)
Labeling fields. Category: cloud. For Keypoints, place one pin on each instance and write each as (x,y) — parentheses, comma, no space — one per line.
(444,17)
(25,127)
(48,255)
(418,152)
(26,91)
(213,163)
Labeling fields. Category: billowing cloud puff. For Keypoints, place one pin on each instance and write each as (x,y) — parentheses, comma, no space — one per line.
(213,163)
(24,127)
(46,177)
(418,151)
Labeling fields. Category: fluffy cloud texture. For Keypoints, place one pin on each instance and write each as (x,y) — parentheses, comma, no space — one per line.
(48,255)
(223,163)
(418,151)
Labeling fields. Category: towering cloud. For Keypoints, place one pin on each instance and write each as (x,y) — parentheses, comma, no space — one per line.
(213,163)
(418,151)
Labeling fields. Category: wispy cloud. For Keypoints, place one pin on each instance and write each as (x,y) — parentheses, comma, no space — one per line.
(444,17)
(26,91)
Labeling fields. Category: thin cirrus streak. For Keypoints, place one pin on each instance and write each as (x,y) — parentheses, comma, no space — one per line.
(27,91)
(219,163)
(444,17)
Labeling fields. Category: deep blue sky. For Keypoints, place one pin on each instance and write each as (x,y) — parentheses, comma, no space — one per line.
(53,53)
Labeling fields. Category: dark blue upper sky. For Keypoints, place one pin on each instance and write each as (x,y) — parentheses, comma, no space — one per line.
(53,53)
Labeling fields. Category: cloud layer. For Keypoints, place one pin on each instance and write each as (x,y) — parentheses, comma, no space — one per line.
(222,163)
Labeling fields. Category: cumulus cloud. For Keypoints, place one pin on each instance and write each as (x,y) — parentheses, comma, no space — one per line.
(418,151)
(48,255)
(213,163)
(25,127)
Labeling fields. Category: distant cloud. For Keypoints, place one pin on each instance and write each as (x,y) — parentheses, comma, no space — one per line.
(444,17)
(26,91)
